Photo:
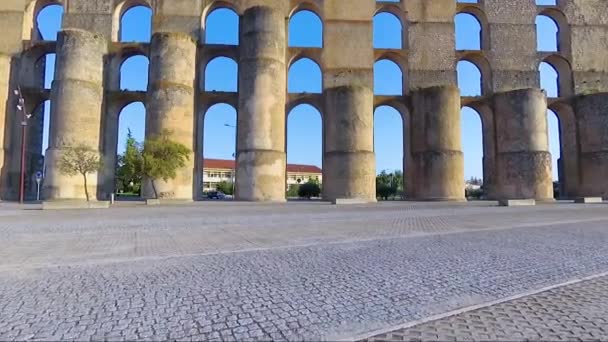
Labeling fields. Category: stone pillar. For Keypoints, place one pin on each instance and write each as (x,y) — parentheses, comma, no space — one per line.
(437,158)
(11,46)
(170,105)
(592,117)
(349,169)
(261,157)
(523,161)
(76,113)
(5,103)
(110,145)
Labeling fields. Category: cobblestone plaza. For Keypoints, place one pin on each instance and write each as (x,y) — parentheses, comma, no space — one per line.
(304,271)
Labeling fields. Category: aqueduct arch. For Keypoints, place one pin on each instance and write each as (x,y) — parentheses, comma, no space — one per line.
(86,96)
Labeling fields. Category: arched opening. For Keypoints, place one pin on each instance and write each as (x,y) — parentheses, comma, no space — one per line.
(305,76)
(304,150)
(388,147)
(472,147)
(45,71)
(43,20)
(134,73)
(388,78)
(219,149)
(468,32)
(136,24)
(547,34)
(45,113)
(221,27)
(469,79)
(221,74)
(549,79)
(555,147)
(388,31)
(131,134)
(306,30)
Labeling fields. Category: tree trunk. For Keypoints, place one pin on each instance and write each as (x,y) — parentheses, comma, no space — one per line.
(86,186)
(154,189)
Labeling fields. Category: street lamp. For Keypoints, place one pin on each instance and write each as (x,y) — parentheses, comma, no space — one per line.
(234,156)
(21,108)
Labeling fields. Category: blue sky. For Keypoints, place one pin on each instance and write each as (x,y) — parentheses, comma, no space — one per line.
(304,125)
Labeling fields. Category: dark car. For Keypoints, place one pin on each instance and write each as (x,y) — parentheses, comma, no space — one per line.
(216,195)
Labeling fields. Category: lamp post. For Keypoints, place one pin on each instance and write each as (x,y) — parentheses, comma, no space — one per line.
(21,108)
(234,156)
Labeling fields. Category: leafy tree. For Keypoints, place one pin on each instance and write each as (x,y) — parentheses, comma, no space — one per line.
(389,184)
(225,187)
(293,190)
(162,157)
(309,189)
(80,160)
(384,191)
(129,171)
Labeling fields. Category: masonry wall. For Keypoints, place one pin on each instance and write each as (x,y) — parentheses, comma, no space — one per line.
(507,59)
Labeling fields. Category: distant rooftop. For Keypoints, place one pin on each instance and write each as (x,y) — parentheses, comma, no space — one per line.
(229,165)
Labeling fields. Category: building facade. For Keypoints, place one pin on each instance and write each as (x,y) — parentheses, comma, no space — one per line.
(216,171)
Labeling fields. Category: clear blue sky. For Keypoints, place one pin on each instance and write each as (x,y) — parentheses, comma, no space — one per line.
(304,125)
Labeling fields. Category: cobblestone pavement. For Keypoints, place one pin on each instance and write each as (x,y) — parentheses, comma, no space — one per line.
(287,272)
(570,313)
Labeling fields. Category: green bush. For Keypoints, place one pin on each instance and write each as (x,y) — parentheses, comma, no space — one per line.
(309,190)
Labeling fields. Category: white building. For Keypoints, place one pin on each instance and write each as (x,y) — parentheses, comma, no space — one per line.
(221,170)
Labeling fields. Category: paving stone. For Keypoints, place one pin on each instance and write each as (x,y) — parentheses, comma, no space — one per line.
(293,272)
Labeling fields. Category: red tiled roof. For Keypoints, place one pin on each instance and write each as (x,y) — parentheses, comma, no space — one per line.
(229,165)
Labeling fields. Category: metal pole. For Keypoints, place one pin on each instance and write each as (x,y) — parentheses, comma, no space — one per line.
(38,191)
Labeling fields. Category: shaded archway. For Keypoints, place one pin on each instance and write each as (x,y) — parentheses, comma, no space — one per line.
(221,74)
(135,24)
(469,79)
(305,30)
(42,20)
(469,32)
(473,149)
(305,76)
(389,149)
(134,73)
(555,147)
(388,78)
(219,148)
(221,26)
(388,31)
(131,134)
(304,147)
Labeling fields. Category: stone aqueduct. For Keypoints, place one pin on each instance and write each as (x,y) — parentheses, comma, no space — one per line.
(86,98)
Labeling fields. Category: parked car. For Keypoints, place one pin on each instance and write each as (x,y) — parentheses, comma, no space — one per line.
(218,195)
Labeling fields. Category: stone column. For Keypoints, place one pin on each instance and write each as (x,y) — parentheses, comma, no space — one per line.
(523,161)
(5,104)
(261,157)
(110,145)
(76,113)
(592,117)
(170,105)
(11,46)
(437,158)
(349,169)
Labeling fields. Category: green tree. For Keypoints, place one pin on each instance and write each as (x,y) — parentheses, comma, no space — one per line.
(162,157)
(309,189)
(80,160)
(293,190)
(225,187)
(129,171)
(389,184)
(384,191)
